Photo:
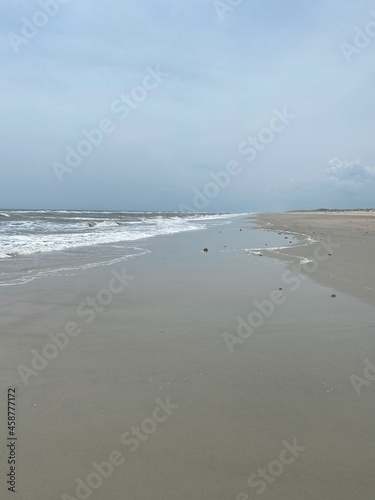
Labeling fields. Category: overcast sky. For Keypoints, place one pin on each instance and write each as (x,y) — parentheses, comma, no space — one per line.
(219,75)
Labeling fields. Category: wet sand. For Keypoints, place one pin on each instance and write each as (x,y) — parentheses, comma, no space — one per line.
(350,268)
(223,416)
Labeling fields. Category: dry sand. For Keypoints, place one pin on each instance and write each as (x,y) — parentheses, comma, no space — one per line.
(162,337)
(351,268)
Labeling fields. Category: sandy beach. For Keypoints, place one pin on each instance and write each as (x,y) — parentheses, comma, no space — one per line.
(350,270)
(187,235)
(186,374)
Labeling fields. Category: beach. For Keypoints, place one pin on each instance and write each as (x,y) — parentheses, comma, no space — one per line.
(350,270)
(178,373)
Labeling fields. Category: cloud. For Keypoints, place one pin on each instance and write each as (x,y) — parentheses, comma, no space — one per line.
(345,184)
(226,77)
(350,175)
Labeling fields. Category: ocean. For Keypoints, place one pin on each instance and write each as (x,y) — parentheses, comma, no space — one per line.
(36,243)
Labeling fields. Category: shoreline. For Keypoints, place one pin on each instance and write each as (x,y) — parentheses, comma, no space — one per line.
(351,237)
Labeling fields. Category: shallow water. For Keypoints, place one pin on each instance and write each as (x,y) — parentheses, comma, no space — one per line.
(36,244)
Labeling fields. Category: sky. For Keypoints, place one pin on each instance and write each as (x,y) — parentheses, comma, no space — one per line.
(191,105)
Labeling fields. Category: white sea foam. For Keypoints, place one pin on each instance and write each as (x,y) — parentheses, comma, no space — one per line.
(305,240)
(70,269)
(39,234)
